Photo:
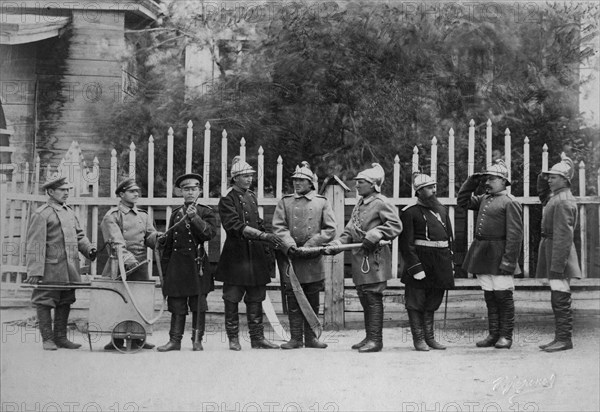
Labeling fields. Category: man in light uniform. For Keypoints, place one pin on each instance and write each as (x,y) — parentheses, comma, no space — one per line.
(54,238)
(303,219)
(557,257)
(130,228)
(494,253)
(373,219)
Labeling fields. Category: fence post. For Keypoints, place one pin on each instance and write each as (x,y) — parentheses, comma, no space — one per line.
(333,310)
(451,177)
(206,168)
(583,222)
(189,145)
(526,165)
(507,156)
(433,167)
(150,195)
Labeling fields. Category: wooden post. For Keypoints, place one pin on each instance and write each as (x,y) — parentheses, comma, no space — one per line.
(95,193)
(526,165)
(488,144)
(470,171)
(507,156)
(169,194)
(113,172)
(132,160)
(206,168)
(396,195)
(451,176)
(334,279)
(149,252)
(583,222)
(415,168)
(433,167)
(189,145)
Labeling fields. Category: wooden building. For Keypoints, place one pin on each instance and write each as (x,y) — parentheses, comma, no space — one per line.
(61,62)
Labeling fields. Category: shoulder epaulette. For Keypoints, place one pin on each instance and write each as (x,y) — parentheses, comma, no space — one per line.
(112,210)
(405,208)
(288,195)
(321,196)
(41,208)
(204,206)
(511,196)
(228,191)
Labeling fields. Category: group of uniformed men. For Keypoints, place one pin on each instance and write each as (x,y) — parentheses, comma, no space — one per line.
(303,222)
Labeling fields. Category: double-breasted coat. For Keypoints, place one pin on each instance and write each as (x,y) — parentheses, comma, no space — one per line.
(498,231)
(375,219)
(304,220)
(54,239)
(132,228)
(557,257)
(421,223)
(243,261)
(184,262)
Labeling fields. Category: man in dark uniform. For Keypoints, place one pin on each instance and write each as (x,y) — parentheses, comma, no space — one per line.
(54,239)
(303,219)
(187,281)
(494,253)
(373,219)
(130,228)
(557,257)
(246,263)
(426,246)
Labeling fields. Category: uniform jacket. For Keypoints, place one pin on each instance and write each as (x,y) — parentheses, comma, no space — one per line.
(184,263)
(304,220)
(54,239)
(243,261)
(421,223)
(498,231)
(375,219)
(557,258)
(129,227)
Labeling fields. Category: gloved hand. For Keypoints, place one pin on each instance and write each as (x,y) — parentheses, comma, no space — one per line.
(368,246)
(330,248)
(33,280)
(93,254)
(191,211)
(419,276)
(292,251)
(161,240)
(273,239)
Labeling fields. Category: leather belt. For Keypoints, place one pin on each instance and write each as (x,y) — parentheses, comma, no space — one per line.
(431,243)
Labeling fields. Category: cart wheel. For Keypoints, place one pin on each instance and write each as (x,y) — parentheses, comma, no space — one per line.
(131,333)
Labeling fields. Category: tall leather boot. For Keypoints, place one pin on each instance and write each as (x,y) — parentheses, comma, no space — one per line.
(296,323)
(61,319)
(256,328)
(365,306)
(375,324)
(506,307)
(556,316)
(232,325)
(493,320)
(45,324)
(310,338)
(564,322)
(175,334)
(428,324)
(416,320)
(198,330)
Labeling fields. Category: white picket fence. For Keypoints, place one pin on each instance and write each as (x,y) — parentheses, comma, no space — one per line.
(19,199)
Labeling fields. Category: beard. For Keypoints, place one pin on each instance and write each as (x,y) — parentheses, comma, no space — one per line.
(432,203)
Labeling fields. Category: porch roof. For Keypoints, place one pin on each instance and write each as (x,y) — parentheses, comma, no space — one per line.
(27,28)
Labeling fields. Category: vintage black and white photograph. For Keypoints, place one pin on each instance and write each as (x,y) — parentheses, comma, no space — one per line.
(326,206)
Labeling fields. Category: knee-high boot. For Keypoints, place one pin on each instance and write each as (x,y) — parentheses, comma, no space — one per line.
(310,338)
(428,323)
(493,320)
(506,307)
(296,322)
(416,320)
(45,324)
(232,325)
(564,322)
(198,326)
(61,319)
(375,323)
(175,334)
(365,306)
(256,328)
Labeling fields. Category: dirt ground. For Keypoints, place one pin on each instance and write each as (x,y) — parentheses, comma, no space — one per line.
(462,378)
